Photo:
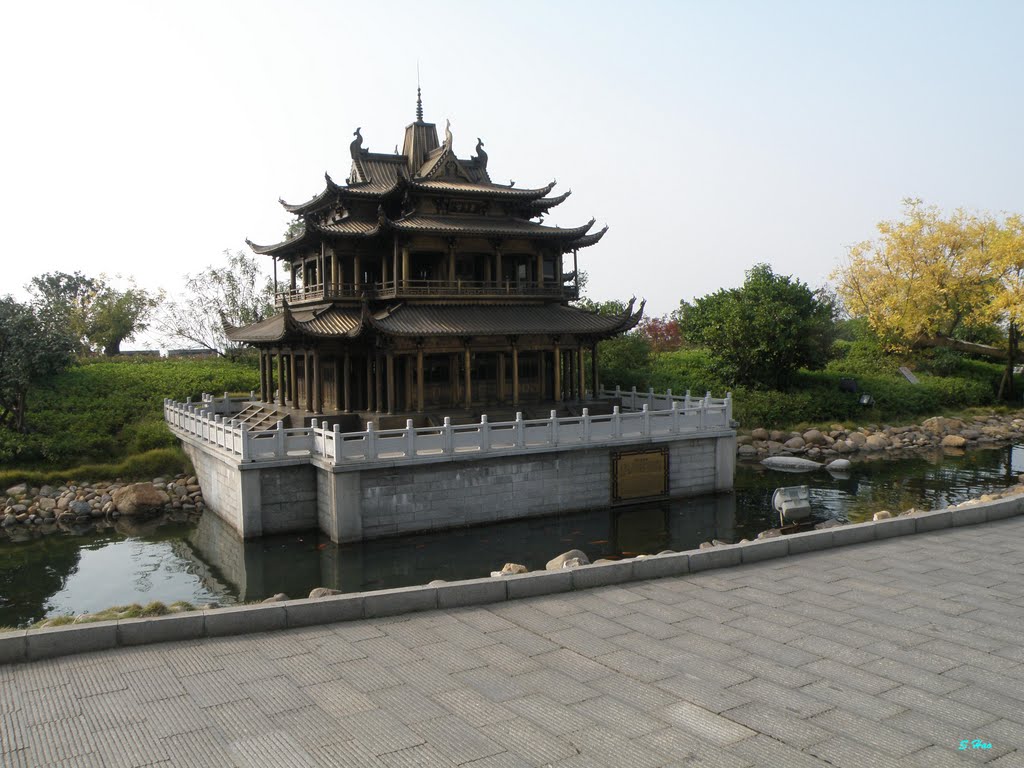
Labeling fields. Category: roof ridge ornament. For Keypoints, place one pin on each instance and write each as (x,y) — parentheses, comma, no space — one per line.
(356,147)
(448,133)
(419,100)
(480,156)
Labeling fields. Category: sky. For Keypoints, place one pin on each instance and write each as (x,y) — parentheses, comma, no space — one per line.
(144,139)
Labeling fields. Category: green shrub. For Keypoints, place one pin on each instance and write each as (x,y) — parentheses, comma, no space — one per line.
(143,466)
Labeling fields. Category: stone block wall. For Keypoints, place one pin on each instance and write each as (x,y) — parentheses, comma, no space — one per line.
(288,498)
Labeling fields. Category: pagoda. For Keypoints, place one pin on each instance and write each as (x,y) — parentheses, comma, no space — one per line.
(420,287)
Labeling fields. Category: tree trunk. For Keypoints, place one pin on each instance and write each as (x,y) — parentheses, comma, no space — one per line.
(963,346)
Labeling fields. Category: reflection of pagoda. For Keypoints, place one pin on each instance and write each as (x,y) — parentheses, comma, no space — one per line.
(420,285)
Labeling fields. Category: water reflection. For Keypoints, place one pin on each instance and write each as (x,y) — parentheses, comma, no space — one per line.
(158,560)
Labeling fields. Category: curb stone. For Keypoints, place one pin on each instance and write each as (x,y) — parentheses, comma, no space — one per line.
(29,645)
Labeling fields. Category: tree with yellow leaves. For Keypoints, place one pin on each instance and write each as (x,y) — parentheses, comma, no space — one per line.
(928,277)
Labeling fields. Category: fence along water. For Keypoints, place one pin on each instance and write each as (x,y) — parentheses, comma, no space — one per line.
(641,416)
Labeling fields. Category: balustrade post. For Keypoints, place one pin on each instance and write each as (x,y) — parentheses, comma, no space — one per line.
(336,433)
(646,423)
(279,440)
(668,394)
(520,432)
(650,397)
(686,401)
(728,408)
(675,416)
(632,400)
(586,425)
(554,427)
(410,439)
(485,434)
(703,417)
(449,441)
(246,450)
(371,442)
(313,427)
(616,421)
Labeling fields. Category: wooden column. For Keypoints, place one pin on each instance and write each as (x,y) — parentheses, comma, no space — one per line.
(501,377)
(540,269)
(487,270)
(280,377)
(497,267)
(407,365)
(593,369)
(419,380)
(581,364)
(335,271)
(453,378)
(405,267)
(451,262)
(293,385)
(469,385)
(558,373)
(263,376)
(369,382)
(357,272)
(318,395)
(391,382)
(542,384)
(346,383)
(378,381)
(515,374)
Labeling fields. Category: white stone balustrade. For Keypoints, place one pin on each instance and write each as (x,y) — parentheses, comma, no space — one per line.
(642,416)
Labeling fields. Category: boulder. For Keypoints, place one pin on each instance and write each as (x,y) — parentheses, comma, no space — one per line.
(857,439)
(747,450)
(323,592)
(760,434)
(139,497)
(569,559)
(280,597)
(794,444)
(953,441)
(940,425)
(744,440)
(876,443)
(842,446)
(883,515)
(771,533)
(511,568)
(814,437)
(80,507)
(778,436)
(17,490)
(47,504)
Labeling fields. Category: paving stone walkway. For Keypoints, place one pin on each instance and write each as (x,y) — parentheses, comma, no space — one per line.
(883,654)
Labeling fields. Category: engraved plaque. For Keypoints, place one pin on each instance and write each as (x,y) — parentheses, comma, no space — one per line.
(639,475)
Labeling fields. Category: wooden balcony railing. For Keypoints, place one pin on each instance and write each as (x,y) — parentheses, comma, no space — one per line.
(421,288)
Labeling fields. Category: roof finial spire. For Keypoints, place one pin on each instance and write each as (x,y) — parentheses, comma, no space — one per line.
(419,100)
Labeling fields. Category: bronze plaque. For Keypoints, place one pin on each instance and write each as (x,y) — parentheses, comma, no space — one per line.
(639,475)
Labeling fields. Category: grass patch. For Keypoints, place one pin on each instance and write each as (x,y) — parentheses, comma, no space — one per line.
(103,418)
(142,466)
(114,613)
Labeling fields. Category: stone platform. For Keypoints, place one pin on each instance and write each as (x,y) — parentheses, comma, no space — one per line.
(888,653)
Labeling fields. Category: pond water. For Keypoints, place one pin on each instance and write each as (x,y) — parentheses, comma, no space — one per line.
(157,560)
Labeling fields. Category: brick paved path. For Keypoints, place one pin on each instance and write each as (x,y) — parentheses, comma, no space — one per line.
(883,654)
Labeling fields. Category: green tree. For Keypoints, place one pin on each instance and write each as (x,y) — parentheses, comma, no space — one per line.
(66,299)
(98,316)
(761,333)
(33,347)
(116,316)
(235,293)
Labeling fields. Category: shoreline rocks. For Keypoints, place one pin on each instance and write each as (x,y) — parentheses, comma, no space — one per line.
(82,507)
(936,433)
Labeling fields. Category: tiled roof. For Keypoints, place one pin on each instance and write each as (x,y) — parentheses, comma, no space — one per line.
(477,189)
(491,227)
(500,320)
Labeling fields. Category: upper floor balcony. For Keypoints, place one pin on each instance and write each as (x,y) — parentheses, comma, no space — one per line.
(445,289)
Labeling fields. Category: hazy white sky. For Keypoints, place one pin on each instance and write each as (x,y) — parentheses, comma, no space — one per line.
(145,138)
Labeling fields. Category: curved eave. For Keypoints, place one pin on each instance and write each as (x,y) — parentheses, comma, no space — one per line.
(545,204)
(282,248)
(588,240)
(477,190)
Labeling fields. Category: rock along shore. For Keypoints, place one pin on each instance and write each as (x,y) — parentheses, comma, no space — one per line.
(936,432)
(79,507)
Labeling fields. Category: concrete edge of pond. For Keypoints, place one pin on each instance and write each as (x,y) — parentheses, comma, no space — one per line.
(34,644)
